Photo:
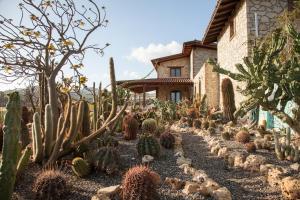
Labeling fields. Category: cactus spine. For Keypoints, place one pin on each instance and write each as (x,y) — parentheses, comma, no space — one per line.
(49,135)
(11,148)
(228,99)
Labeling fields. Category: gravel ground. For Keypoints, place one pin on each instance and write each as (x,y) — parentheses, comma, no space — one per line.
(84,189)
(242,184)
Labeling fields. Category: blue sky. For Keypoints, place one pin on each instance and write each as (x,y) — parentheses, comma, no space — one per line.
(138,31)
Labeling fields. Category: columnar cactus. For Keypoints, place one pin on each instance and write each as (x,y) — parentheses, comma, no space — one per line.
(148,145)
(286,150)
(37,138)
(228,99)
(80,167)
(167,140)
(149,126)
(50,185)
(49,135)
(24,160)
(140,183)
(11,148)
(130,127)
(85,127)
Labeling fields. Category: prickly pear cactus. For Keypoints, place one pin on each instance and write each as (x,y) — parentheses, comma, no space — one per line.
(11,148)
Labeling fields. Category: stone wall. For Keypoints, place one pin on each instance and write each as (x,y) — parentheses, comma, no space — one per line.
(198,57)
(207,82)
(164,91)
(163,69)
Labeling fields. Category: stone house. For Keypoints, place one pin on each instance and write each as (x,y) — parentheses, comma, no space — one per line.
(235,25)
(176,74)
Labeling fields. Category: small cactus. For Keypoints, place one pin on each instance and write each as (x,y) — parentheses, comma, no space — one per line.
(160,129)
(106,159)
(50,185)
(211,131)
(140,183)
(149,126)
(250,147)
(107,140)
(130,127)
(167,140)
(80,167)
(197,124)
(225,135)
(205,125)
(243,136)
(148,145)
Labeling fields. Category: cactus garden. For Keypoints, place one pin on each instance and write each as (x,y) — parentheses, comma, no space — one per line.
(205,128)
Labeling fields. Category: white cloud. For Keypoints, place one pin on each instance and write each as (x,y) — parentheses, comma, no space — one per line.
(145,54)
(131,74)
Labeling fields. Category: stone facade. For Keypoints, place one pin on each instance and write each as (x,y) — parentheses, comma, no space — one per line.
(163,69)
(207,82)
(232,50)
(164,92)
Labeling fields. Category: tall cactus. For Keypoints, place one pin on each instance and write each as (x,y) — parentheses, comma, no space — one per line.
(37,137)
(49,136)
(11,148)
(228,99)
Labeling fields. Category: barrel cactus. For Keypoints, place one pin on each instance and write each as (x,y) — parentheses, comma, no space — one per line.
(50,185)
(167,140)
(228,99)
(107,140)
(130,127)
(140,183)
(243,136)
(250,147)
(149,126)
(148,145)
(106,159)
(80,167)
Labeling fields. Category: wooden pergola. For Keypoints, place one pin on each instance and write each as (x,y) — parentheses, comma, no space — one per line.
(141,86)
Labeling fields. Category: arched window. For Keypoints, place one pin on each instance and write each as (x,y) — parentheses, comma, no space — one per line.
(175,96)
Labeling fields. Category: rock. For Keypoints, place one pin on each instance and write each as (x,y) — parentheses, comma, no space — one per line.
(189,170)
(179,154)
(239,159)
(183,160)
(265,168)
(109,191)
(253,162)
(211,185)
(290,188)
(223,152)
(190,188)
(274,176)
(215,149)
(221,194)
(175,183)
(100,197)
(295,167)
(147,159)
(200,176)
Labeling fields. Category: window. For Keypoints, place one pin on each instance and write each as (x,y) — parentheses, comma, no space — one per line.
(175,72)
(175,96)
(232,28)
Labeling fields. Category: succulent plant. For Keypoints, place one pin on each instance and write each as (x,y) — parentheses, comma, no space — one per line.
(50,185)
(243,136)
(211,131)
(148,145)
(130,127)
(228,99)
(85,126)
(226,135)
(192,113)
(190,122)
(106,159)
(167,140)
(107,140)
(25,115)
(149,126)
(250,147)
(80,167)
(197,123)
(140,183)
(160,129)
(205,124)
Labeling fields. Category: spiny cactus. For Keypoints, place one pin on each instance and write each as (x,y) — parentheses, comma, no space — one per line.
(160,129)
(148,145)
(197,123)
(228,99)
(24,160)
(205,124)
(11,148)
(250,147)
(140,183)
(130,127)
(106,159)
(167,140)
(80,167)
(37,138)
(149,126)
(211,131)
(24,135)
(25,115)
(242,136)
(107,140)
(85,127)
(50,185)
(225,135)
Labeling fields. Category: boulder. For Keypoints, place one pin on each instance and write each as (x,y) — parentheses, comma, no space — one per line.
(200,176)
(223,152)
(109,191)
(100,197)
(215,149)
(221,194)
(183,160)
(239,160)
(211,185)
(175,183)
(187,169)
(264,168)
(295,167)
(290,188)
(190,188)
(147,159)
(253,162)
(274,176)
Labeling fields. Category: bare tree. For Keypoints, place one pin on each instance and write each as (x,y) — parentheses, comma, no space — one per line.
(50,35)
